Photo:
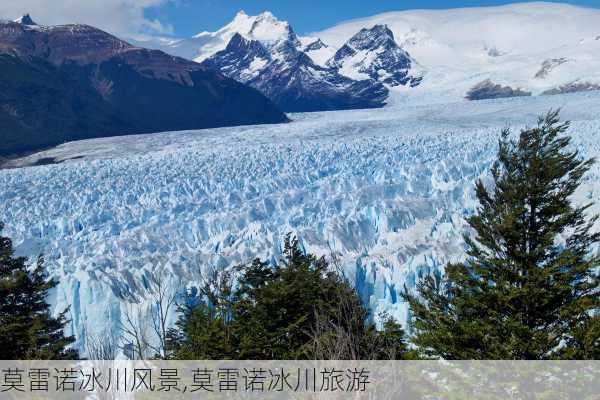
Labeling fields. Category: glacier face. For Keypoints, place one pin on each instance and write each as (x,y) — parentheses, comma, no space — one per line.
(385,190)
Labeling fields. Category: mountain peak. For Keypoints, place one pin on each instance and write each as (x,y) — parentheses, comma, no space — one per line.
(25,20)
(381,29)
(240,20)
(378,35)
(267,15)
(373,53)
(267,28)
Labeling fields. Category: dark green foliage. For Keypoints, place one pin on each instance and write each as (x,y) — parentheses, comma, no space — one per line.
(298,310)
(27,330)
(584,342)
(528,286)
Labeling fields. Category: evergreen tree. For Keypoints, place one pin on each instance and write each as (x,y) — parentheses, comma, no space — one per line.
(204,328)
(297,310)
(389,343)
(528,289)
(27,329)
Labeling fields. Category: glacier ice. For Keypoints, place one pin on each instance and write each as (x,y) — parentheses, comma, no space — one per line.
(387,190)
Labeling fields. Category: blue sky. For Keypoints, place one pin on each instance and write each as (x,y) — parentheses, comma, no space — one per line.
(184,18)
(188,17)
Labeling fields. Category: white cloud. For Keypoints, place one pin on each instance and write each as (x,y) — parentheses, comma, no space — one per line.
(121,17)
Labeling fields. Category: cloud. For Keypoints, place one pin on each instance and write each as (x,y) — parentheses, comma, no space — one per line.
(124,18)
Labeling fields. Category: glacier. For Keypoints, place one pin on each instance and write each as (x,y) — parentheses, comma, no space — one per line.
(384,191)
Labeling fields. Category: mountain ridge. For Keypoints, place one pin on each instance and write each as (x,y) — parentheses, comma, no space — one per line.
(71,82)
(294,71)
(455,50)
(463,47)
(375,53)
(276,65)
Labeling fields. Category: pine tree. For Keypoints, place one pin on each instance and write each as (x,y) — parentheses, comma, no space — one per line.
(529,288)
(204,329)
(300,309)
(27,329)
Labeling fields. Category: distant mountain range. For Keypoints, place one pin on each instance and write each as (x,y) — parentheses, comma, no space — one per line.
(421,56)
(70,82)
(302,74)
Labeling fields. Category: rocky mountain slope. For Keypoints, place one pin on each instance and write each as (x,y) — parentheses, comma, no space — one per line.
(536,48)
(61,83)
(447,55)
(302,73)
(373,53)
(288,76)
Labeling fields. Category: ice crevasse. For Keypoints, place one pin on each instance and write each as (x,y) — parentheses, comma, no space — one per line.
(386,191)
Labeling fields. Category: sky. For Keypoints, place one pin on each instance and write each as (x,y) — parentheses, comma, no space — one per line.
(184,18)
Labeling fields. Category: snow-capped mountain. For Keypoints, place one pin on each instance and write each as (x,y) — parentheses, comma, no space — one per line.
(263,27)
(535,48)
(373,53)
(442,55)
(303,73)
(271,59)
(70,82)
